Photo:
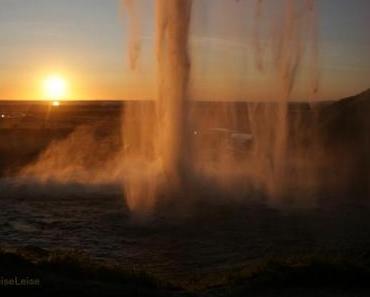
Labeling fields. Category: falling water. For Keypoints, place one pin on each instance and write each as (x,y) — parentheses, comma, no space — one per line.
(288,45)
(167,150)
(158,135)
(161,137)
(173,22)
(177,149)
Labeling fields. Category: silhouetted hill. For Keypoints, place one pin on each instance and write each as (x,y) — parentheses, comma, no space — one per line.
(348,120)
(344,127)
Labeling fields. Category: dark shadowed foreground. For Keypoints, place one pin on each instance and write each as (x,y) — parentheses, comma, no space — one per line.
(61,273)
(80,237)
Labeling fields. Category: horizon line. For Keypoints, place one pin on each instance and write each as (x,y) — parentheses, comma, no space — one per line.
(200,100)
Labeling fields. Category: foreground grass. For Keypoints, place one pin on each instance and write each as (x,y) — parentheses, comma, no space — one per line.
(310,275)
(62,273)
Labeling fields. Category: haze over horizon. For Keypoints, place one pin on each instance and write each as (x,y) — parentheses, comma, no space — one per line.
(85,41)
(185,147)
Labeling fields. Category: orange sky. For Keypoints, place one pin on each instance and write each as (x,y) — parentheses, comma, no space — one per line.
(86,42)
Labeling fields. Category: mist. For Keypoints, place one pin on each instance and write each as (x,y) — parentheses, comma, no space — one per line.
(175,149)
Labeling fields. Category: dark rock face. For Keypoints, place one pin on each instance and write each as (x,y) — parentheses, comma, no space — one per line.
(344,127)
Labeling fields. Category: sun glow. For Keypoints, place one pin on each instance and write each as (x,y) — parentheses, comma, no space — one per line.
(54,88)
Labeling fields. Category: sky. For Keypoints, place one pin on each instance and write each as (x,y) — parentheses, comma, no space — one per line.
(86,42)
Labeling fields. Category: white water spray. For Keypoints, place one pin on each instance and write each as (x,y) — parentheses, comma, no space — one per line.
(178,161)
(177,149)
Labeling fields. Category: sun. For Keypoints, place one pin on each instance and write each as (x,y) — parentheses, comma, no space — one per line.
(55,87)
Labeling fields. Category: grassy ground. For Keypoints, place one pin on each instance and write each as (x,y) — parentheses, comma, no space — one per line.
(62,273)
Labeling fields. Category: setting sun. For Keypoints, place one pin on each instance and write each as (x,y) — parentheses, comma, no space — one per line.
(55,87)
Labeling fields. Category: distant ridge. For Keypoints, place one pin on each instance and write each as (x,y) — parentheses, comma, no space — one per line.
(348,120)
(355,100)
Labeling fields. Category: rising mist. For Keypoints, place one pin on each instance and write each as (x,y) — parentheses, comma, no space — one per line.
(175,148)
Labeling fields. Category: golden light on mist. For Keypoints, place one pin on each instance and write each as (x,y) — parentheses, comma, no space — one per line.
(55,88)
